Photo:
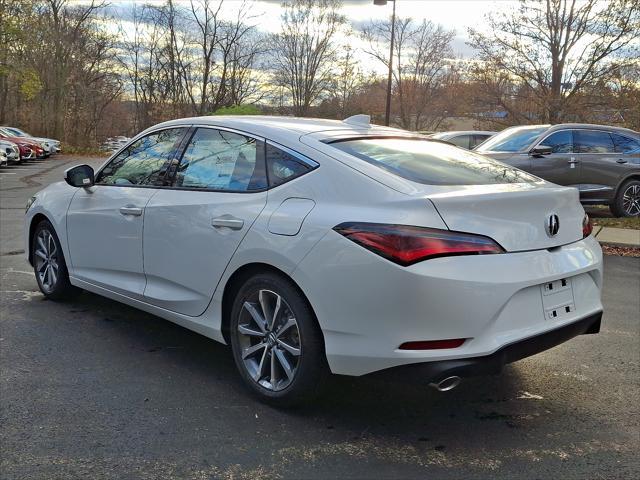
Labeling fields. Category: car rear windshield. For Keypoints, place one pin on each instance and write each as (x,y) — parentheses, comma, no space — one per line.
(431,163)
(512,140)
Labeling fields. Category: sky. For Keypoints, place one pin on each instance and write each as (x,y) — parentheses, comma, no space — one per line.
(455,15)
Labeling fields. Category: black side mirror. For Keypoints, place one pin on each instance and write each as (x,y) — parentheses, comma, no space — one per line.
(541,151)
(79,176)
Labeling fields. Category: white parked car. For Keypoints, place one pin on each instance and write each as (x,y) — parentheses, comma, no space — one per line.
(9,152)
(316,246)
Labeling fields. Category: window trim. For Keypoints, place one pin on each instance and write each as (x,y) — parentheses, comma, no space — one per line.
(182,147)
(186,127)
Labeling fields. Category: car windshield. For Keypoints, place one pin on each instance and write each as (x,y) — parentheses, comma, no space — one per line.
(511,139)
(16,132)
(431,163)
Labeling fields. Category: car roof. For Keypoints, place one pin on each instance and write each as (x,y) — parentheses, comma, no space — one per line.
(580,126)
(589,126)
(273,127)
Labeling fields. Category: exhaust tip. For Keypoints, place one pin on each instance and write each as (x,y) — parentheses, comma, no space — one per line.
(446,384)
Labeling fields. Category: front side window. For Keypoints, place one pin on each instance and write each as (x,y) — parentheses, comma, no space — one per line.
(592,141)
(432,163)
(144,162)
(560,142)
(284,166)
(512,139)
(625,144)
(222,160)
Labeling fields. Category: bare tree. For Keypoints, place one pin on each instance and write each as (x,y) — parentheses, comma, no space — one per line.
(349,80)
(557,48)
(305,50)
(422,68)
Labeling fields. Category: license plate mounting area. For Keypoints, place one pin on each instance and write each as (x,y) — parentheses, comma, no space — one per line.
(557,299)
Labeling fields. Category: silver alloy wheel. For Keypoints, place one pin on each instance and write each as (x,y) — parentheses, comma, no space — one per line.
(46,260)
(269,340)
(631,200)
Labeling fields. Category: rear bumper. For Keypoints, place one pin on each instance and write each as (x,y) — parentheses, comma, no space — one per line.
(367,306)
(491,364)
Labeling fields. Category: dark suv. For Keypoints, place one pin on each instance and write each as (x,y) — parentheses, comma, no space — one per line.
(602,162)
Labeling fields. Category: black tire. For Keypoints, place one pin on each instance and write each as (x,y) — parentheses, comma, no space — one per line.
(309,368)
(620,207)
(54,286)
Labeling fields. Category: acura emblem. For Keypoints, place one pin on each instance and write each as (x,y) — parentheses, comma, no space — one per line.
(553,225)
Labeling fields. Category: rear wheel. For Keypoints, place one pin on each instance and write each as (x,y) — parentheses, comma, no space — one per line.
(49,265)
(627,201)
(277,344)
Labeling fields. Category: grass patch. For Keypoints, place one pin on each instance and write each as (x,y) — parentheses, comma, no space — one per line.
(631,223)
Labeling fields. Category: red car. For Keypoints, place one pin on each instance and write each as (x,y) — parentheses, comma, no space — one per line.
(28,150)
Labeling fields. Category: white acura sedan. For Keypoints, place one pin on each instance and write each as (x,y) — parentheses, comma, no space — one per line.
(317,246)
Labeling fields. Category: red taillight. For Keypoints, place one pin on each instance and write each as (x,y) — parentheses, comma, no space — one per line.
(406,245)
(433,344)
(587,226)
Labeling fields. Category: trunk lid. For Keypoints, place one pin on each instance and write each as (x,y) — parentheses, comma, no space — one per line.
(514,215)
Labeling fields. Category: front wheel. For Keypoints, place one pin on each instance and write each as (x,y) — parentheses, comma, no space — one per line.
(627,201)
(276,342)
(49,265)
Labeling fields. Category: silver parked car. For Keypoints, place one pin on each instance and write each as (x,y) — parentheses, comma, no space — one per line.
(464,139)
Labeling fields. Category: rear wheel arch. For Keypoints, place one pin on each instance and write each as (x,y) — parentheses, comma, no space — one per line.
(238,278)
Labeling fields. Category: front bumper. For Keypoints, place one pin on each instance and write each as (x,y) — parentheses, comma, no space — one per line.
(491,364)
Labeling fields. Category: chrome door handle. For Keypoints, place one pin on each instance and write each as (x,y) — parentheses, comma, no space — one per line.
(573,161)
(227,221)
(621,160)
(131,210)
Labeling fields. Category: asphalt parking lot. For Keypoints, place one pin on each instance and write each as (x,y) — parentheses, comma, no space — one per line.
(95,389)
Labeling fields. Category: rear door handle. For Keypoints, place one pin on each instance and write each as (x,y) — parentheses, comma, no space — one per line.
(621,160)
(228,221)
(131,210)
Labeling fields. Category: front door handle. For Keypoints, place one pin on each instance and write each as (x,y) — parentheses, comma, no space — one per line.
(573,161)
(621,160)
(228,221)
(131,210)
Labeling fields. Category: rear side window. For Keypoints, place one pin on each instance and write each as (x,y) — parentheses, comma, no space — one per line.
(284,165)
(432,163)
(477,140)
(461,141)
(560,142)
(222,160)
(625,144)
(592,141)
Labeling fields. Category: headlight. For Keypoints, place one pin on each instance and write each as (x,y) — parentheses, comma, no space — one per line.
(29,203)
